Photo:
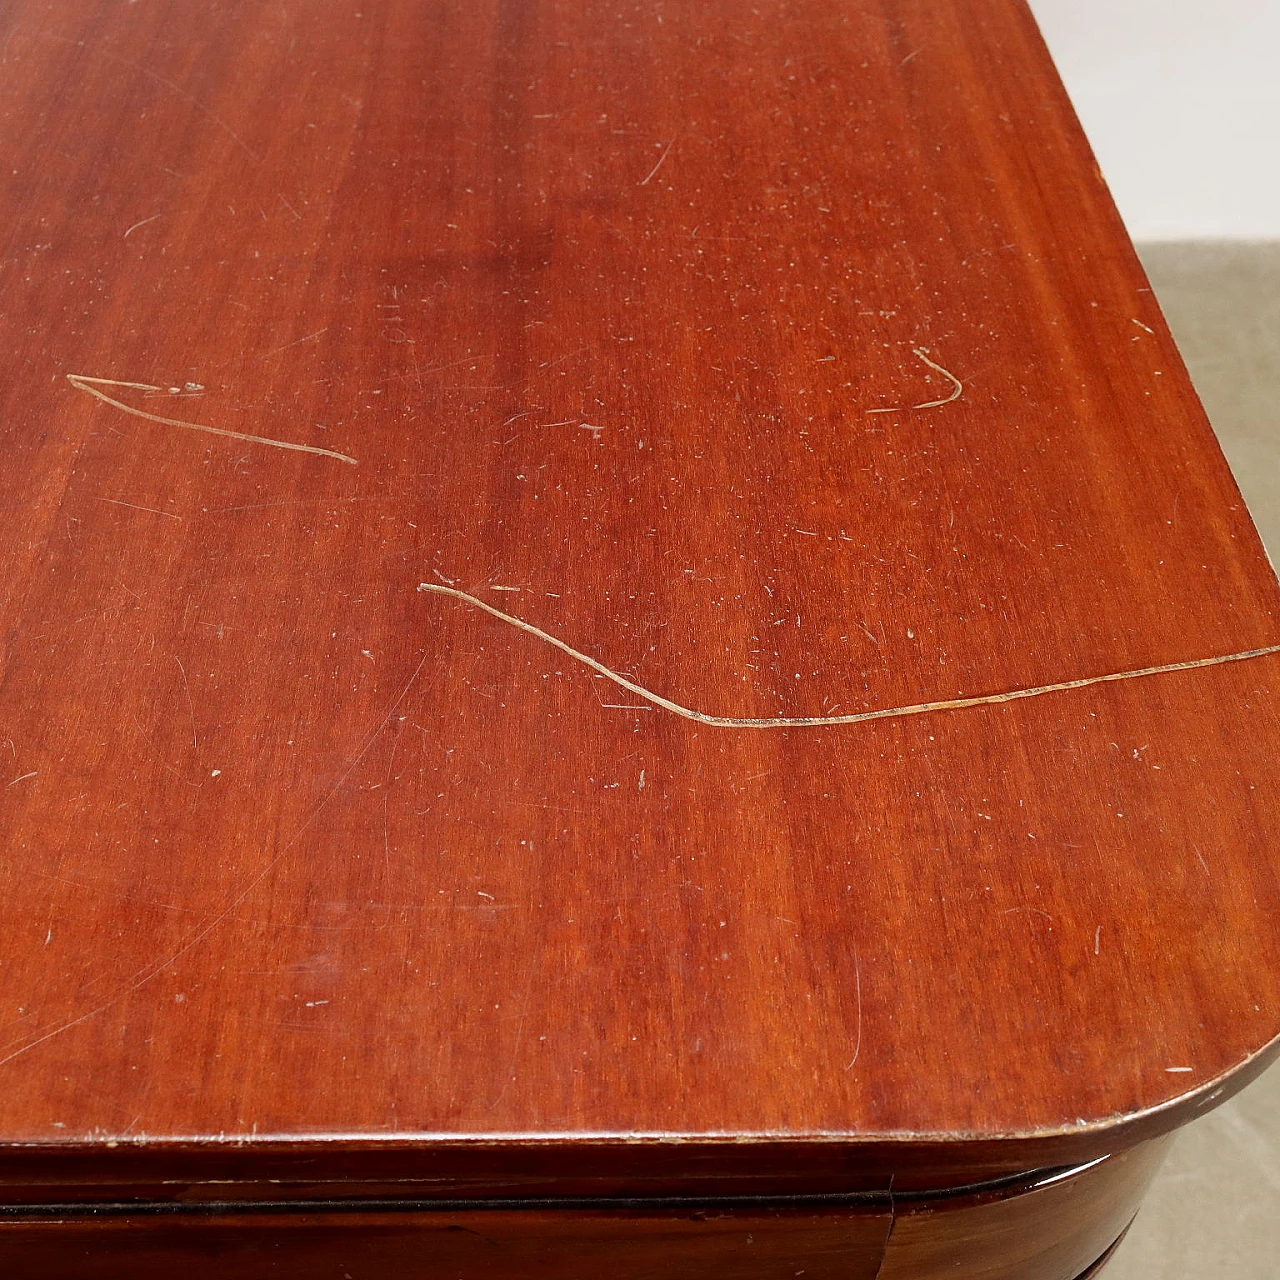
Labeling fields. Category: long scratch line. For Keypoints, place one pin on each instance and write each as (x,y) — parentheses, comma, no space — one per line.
(801,722)
(82,382)
(957,387)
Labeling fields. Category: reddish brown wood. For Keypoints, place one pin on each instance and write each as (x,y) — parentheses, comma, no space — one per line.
(311,874)
(1096,1269)
(1061,1230)
(462,1246)
(1044,1228)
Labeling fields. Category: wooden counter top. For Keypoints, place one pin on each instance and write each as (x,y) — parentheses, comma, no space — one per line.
(447,448)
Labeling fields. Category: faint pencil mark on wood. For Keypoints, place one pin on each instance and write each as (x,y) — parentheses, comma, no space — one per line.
(957,387)
(860,717)
(83,382)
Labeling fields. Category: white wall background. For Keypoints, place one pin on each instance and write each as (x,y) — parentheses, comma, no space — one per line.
(1181,100)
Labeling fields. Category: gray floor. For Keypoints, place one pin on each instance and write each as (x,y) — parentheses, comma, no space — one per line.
(1214,1213)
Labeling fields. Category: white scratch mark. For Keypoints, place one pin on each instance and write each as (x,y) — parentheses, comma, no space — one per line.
(1037,910)
(799,722)
(83,382)
(957,387)
(857,980)
(143,223)
(133,506)
(275,351)
(644,182)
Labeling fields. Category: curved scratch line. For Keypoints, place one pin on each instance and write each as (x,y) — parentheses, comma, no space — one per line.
(800,722)
(857,977)
(922,353)
(644,182)
(82,381)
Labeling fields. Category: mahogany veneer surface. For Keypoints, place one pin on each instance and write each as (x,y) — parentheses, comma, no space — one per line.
(1045,1227)
(602,307)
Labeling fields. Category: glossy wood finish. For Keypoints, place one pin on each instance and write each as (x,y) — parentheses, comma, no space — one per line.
(513,1246)
(312,874)
(1033,1229)
(1057,1231)
(1096,1269)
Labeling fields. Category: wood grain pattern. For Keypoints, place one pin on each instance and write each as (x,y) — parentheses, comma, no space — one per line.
(462,1246)
(1026,1229)
(1057,1231)
(619,312)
